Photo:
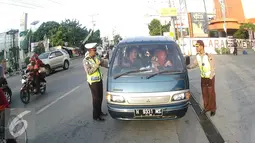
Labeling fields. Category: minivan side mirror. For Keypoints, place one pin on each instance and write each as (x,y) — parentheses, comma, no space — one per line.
(187,60)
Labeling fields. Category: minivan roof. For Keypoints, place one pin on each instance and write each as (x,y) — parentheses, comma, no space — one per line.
(146,39)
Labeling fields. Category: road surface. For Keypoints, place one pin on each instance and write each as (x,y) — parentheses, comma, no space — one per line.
(64,114)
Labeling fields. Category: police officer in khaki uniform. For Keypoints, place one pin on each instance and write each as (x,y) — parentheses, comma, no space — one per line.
(92,64)
(206,64)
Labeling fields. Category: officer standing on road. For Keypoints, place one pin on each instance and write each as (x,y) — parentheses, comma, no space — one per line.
(92,65)
(206,64)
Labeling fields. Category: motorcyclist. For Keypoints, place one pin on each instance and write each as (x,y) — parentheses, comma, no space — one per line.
(33,69)
(40,64)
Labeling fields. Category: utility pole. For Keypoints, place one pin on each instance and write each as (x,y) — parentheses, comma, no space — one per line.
(93,21)
(182,42)
(206,15)
(15,49)
(172,22)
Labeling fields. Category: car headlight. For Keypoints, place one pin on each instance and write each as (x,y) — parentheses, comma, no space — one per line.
(115,98)
(181,96)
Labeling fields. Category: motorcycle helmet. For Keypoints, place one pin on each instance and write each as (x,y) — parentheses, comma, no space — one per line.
(32,60)
(35,56)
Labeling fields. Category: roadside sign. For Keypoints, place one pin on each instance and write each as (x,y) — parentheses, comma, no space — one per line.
(168,12)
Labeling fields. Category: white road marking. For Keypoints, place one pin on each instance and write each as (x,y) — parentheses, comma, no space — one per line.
(53,102)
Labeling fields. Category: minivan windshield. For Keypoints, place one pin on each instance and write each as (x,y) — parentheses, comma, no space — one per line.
(146,59)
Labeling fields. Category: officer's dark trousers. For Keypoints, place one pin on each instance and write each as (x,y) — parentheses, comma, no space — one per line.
(97,97)
(208,92)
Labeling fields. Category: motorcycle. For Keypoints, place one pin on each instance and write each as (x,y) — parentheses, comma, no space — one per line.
(28,87)
(5,87)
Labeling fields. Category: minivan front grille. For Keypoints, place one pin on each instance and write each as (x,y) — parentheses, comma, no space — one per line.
(148,100)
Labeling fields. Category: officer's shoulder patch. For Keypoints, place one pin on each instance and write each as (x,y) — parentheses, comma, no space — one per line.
(87,58)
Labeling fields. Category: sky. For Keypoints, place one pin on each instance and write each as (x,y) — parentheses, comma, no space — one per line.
(127,17)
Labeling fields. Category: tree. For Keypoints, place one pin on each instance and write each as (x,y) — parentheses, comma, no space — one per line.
(39,48)
(117,39)
(156,28)
(242,32)
(95,37)
(70,31)
(47,28)
(73,32)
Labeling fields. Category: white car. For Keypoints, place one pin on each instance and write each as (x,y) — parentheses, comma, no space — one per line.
(55,59)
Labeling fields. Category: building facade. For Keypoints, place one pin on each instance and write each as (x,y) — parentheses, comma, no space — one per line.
(9,49)
(233,17)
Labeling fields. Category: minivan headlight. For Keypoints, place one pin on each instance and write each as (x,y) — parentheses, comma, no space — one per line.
(181,96)
(115,98)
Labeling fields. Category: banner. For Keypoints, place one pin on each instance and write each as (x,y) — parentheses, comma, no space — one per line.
(199,24)
(168,12)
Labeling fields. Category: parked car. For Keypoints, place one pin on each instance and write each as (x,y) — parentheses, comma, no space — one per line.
(155,86)
(55,59)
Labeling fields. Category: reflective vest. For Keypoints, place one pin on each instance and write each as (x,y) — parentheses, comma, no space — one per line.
(97,75)
(204,65)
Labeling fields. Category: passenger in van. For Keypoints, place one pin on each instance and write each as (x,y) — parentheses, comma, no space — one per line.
(132,60)
(160,61)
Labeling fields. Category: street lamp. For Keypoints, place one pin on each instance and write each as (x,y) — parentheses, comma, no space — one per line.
(30,37)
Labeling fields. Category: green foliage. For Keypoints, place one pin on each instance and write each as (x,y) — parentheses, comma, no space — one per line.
(9,70)
(117,38)
(225,50)
(39,49)
(156,28)
(70,31)
(95,37)
(242,32)
(47,28)
(222,51)
(218,51)
(27,60)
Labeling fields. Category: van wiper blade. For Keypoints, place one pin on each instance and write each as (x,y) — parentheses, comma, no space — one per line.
(164,71)
(128,72)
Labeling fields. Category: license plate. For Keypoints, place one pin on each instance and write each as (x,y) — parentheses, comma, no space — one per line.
(148,112)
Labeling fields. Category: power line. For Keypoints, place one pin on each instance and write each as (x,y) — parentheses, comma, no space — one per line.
(54,2)
(30,4)
(17,5)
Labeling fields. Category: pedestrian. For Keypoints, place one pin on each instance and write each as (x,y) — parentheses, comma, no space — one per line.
(92,64)
(206,64)
(235,48)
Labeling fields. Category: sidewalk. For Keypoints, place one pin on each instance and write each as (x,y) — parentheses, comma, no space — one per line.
(235,93)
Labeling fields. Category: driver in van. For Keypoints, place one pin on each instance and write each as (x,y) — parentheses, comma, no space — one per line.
(132,60)
(160,61)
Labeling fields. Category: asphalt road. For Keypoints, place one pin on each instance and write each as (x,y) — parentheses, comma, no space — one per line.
(64,114)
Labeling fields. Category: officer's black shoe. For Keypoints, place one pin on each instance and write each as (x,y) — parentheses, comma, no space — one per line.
(103,114)
(99,119)
(213,113)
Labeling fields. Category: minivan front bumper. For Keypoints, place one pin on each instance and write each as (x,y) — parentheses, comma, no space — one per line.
(170,111)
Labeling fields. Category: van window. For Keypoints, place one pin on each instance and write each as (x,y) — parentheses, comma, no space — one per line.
(154,57)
